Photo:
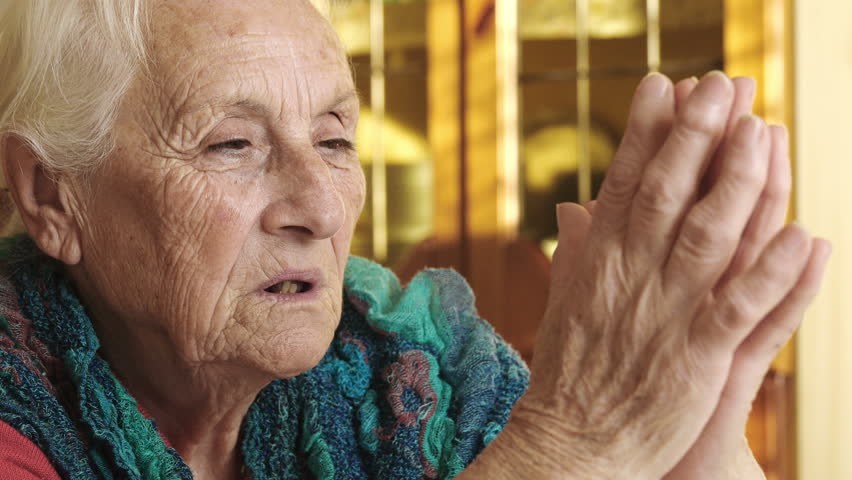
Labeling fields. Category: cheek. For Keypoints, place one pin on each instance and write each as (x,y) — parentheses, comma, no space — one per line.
(204,225)
(162,246)
(203,210)
(352,188)
(225,215)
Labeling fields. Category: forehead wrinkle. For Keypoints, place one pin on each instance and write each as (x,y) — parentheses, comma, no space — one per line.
(188,86)
(190,91)
(345,100)
(297,82)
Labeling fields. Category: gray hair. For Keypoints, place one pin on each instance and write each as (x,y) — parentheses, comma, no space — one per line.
(65,65)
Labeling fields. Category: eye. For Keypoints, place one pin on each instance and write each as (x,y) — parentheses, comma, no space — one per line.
(337,144)
(235,144)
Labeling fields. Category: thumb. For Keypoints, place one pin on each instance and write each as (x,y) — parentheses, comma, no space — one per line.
(574,221)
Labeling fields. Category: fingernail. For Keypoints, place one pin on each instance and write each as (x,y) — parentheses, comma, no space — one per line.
(654,85)
(750,84)
(559,208)
(691,81)
(750,128)
(714,88)
(714,73)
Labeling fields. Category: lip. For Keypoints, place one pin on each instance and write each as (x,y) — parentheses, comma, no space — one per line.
(312,276)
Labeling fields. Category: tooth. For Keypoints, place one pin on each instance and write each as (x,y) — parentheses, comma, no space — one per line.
(294,287)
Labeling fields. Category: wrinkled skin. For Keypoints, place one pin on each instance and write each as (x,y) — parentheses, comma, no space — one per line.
(667,303)
(182,230)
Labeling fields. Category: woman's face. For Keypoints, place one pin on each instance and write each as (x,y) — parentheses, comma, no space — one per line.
(233,172)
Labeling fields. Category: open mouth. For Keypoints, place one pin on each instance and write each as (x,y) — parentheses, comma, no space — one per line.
(289,286)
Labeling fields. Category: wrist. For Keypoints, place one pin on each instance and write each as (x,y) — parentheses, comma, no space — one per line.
(532,445)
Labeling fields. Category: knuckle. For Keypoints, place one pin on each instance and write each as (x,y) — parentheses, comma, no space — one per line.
(658,196)
(777,268)
(735,311)
(621,179)
(701,238)
(748,174)
(696,122)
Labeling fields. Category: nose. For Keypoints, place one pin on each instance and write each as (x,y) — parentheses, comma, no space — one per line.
(306,200)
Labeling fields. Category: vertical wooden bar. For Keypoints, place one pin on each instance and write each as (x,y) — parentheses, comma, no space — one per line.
(508,128)
(379,196)
(445,117)
(484,248)
(745,43)
(584,108)
(652,15)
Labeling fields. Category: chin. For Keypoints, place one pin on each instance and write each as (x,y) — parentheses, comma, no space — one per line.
(299,352)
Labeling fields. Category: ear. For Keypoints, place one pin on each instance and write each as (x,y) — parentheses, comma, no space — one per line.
(42,202)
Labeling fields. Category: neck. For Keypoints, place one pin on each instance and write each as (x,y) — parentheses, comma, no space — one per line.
(199,409)
(209,444)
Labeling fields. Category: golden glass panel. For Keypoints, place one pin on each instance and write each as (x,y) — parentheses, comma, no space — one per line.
(582,79)
(546,19)
(403,27)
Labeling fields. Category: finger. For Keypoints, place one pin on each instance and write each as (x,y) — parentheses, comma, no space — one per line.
(574,221)
(590,206)
(670,181)
(712,229)
(744,90)
(648,125)
(763,344)
(771,210)
(683,89)
(755,355)
(750,297)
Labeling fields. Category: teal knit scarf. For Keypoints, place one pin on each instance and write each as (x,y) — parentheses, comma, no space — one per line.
(414,384)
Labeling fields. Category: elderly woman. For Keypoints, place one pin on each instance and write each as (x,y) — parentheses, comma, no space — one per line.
(183,304)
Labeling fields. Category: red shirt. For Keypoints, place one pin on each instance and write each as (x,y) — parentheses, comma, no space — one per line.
(21,459)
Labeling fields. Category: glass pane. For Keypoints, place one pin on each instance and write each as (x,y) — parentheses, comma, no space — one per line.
(691,44)
(693,48)
(550,135)
(409,185)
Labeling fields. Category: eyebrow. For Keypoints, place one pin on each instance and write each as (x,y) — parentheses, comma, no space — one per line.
(260,109)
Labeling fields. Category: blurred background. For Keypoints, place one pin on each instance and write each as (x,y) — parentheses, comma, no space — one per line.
(480,115)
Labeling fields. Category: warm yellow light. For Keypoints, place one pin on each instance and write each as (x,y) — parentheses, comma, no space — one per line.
(552,151)
(404,25)
(402,145)
(543,19)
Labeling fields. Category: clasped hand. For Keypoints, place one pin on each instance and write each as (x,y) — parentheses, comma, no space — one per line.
(669,299)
